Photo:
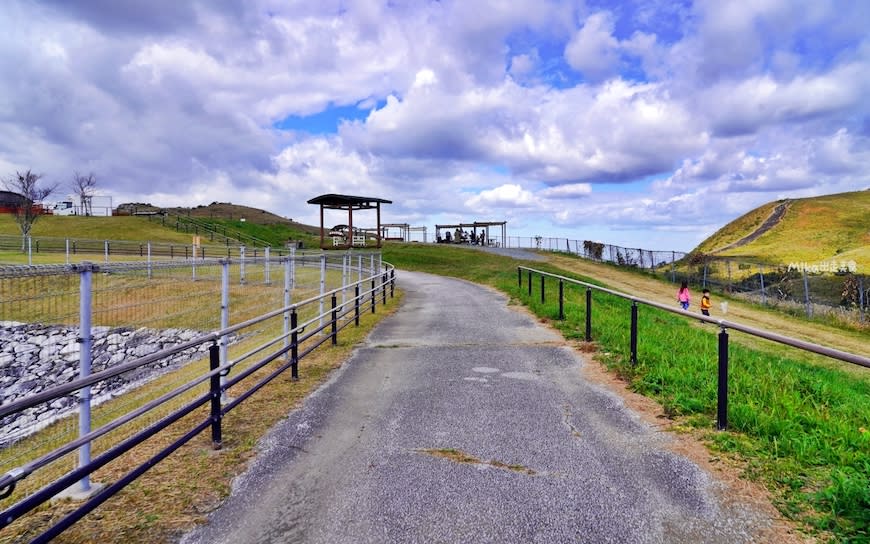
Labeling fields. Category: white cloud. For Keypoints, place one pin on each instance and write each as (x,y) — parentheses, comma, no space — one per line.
(593,50)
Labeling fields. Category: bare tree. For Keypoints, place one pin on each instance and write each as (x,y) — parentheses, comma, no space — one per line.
(28,208)
(84,187)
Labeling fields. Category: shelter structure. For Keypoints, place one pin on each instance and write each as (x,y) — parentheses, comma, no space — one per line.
(477,225)
(404,234)
(350,204)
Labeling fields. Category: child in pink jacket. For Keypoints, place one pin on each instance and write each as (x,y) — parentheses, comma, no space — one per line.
(683,295)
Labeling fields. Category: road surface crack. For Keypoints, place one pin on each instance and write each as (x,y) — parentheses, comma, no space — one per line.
(459,456)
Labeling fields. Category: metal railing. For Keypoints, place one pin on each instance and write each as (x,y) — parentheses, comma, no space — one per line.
(724,326)
(295,341)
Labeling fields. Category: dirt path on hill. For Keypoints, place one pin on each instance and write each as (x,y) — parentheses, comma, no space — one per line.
(665,293)
(773,220)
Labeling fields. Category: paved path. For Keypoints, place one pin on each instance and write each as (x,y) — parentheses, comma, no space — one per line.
(462,420)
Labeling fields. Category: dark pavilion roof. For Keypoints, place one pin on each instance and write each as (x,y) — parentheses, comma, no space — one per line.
(347,201)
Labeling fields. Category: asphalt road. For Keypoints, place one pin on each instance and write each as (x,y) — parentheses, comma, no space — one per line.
(462,420)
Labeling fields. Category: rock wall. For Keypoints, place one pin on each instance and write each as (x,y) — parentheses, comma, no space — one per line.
(36,357)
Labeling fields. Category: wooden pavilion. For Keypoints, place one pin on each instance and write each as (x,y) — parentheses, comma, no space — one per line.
(349,203)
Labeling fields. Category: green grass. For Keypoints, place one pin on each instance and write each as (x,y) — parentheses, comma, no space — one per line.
(812,230)
(276,234)
(801,429)
(97,228)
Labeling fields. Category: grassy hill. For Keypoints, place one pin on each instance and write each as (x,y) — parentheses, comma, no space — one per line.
(96,228)
(812,230)
(222,216)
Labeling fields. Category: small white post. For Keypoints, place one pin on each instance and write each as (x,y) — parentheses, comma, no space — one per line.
(106,250)
(225,318)
(149,260)
(30,251)
(267,272)
(67,251)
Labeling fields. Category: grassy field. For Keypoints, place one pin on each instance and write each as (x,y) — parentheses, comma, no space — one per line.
(812,230)
(800,427)
(97,228)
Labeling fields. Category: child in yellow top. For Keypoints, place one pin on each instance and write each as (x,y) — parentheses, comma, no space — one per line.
(705,302)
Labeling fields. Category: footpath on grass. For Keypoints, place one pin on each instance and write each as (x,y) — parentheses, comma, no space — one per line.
(462,419)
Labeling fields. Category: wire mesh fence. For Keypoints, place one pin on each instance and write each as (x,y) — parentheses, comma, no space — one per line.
(833,288)
(139,308)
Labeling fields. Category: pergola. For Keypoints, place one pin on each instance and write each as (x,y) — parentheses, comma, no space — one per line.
(405,231)
(349,203)
(474,226)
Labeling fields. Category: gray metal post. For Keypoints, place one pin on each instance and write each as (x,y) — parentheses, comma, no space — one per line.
(807,295)
(225,316)
(67,251)
(287,287)
(292,268)
(761,276)
(322,287)
(106,249)
(30,251)
(267,272)
(359,267)
(344,259)
(193,264)
(371,265)
(85,340)
(149,260)
(242,265)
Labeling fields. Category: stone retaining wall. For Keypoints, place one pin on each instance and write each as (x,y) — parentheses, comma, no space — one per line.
(36,357)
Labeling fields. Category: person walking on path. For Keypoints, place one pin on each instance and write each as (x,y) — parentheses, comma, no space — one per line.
(705,302)
(683,295)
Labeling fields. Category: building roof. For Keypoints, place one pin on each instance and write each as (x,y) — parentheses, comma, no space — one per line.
(11,199)
(344,202)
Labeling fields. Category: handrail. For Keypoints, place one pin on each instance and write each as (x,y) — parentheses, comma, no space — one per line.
(724,324)
(8,481)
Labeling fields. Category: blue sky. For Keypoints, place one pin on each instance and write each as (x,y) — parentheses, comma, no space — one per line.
(646,123)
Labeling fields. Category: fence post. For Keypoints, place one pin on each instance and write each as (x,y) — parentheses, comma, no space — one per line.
(392,281)
(356,305)
(530,283)
(294,346)
(543,298)
(334,320)
(704,282)
(761,277)
(215,391)
(384,279)
(193,265)
(722,398)
(67,250)
(85,340)
(633,344)
(322,287)
(106,246)
(344,259)
(359,268)
(807,295)
(373,296)
(242,265)
(267,269)
(519,278)
(292,268)
(225,314)
(29,251)
(588,314)
(861,296)
(286,303)
(149,260)
(561,300)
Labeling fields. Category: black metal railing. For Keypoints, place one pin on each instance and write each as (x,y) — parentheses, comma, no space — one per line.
(310,334)
(724,326)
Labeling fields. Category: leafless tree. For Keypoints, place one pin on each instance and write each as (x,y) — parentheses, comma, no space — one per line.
(84,187)
(28,208)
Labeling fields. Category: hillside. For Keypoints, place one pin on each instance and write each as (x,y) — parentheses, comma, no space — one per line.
(812,230)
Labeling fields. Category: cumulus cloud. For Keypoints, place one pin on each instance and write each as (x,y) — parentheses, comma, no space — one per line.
(522,109)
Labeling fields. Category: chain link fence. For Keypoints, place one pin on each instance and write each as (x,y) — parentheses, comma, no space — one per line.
(833,288)
(133,310)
